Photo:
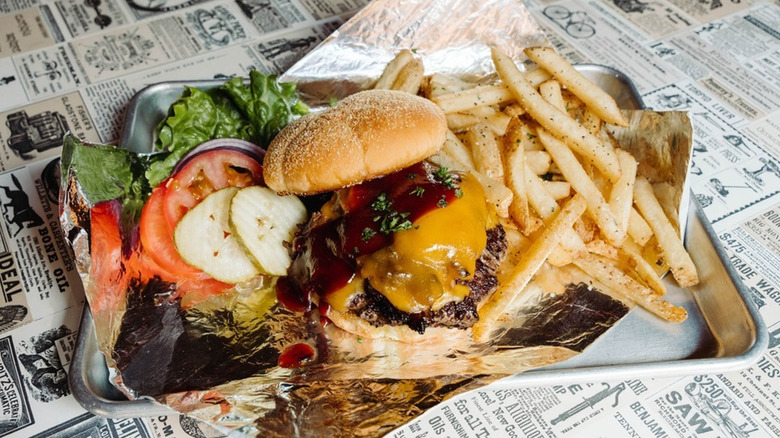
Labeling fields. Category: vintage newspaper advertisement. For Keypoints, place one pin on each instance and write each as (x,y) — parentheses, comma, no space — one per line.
(85,17)
(72,65)
(35,131)
(37,274)
(22,31)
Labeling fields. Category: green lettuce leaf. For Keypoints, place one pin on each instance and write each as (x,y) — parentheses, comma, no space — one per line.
(268,104)
(107,172)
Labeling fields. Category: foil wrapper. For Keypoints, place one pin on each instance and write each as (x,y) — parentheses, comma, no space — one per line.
(219,360)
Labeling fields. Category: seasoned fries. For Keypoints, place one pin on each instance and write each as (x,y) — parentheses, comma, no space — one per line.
(576,175)
(484,149)
(556,121)
(537,143)
(594,97)
(679,261)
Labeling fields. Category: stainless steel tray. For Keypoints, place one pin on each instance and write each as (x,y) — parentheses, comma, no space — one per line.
(723,331)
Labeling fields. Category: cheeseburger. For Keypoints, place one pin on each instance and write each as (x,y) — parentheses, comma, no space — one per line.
(403,248)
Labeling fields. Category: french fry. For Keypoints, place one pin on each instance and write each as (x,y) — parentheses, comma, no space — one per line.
(454,147)
(492,309)
(682,267)
(597,207)
(514,110)
(638,228)
(530,139)
(439,84)
(591,121)
(496,193)
(554,120)
(514,176)
(632,254)
(458,122)
(546,207)
(493,118)
(536,76)
(392,69)
(622,194)
(538,161)
(607,273)
(558,189)
(551,92)
(410,77)
(484,151)
(602,248)
(453,155)
(484,95)
(593,96)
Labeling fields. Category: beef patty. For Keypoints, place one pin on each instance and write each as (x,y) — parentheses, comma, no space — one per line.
(373,307)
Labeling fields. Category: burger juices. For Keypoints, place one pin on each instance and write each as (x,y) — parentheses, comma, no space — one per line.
(389,257)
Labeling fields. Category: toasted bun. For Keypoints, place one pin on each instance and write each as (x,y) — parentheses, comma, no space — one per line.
(366,135)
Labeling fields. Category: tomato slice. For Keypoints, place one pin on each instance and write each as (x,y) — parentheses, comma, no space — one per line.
(205,174)
(157,238)
(108,266)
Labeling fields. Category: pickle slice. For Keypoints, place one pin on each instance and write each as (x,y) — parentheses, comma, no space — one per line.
(205,240)
(264,223)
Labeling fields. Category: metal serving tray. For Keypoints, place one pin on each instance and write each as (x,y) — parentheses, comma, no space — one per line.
(723,331)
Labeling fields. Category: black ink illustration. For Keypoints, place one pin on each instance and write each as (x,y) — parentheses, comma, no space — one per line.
(16,413)
(45,375)
(630,6)
(768,166)
(756,297)
(50,70)
(704,200)
(161,5)
(273,49)
(576,24)
(216,27)
(709,27)
(739,143)
(11,315)
(676,101)
(101,19)
(717,410)
(17,210)
(7,80)
(723,189)
(590,402)
(119,52)
(35,133)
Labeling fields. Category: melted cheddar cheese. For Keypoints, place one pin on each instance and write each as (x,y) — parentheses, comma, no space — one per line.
(419,271)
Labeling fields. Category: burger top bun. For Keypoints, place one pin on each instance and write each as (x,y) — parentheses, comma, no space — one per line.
(366,135)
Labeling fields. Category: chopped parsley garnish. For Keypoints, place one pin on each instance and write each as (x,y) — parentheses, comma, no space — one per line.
(390,221)
(381,203)
(412,175)
(531,136)
(394,222)
(418,191)
(459,193)
(444,176)
(442,202)
(368,233)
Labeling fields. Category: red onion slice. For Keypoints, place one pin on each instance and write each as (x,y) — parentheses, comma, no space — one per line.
(247,148)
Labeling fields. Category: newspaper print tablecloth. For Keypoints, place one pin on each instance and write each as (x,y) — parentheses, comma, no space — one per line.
(73,65)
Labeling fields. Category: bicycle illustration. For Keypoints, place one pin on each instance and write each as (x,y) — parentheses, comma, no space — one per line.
(577,24)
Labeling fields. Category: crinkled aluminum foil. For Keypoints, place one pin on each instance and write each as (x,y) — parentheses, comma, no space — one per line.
(218,361)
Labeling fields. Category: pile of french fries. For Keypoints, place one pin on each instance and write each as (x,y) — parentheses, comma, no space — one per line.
(536,141)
